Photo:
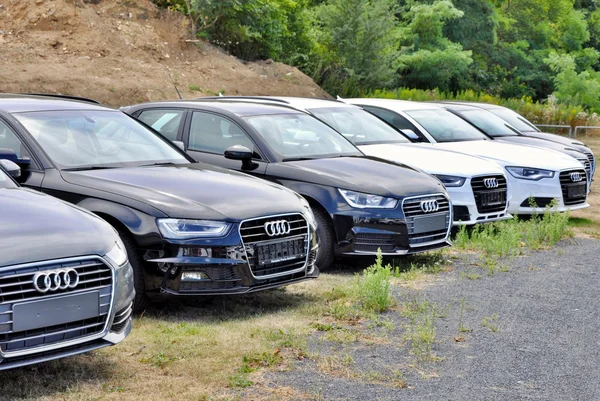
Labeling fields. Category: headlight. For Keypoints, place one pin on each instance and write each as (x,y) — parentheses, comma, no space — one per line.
(118,254)
(527,173)
(187,229)
(362,201)
(451,180)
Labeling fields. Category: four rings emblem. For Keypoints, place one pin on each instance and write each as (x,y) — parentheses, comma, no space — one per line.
(490,183)
(430,206)
(576,177)
(55,280)
(276,228)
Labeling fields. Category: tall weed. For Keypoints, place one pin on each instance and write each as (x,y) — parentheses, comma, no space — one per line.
(373,286)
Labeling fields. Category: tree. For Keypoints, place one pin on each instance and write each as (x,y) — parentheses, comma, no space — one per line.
(571,87)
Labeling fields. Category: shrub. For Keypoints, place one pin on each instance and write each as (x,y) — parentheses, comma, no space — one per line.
(373,286)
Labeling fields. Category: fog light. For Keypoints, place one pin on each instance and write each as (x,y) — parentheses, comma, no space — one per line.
(194,276)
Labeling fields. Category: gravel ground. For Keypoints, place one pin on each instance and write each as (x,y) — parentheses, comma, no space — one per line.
(543,344)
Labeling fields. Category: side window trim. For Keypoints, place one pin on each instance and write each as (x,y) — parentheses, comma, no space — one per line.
(188,128)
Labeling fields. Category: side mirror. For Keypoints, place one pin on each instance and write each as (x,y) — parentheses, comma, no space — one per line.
(410,134)
(11,168)
(240,152)
(180,145)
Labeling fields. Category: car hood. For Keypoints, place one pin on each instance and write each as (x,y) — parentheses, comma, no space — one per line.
(544,144)
(554,138)
(362,174)
(37,227)
(433,160)
(195,191)
(507,154)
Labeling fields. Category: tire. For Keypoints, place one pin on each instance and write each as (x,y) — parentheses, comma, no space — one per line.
(325,239)
(141,301)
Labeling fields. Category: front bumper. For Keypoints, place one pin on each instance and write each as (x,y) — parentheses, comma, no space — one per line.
(41,344)
(542,192)
(366,231)
(231,265)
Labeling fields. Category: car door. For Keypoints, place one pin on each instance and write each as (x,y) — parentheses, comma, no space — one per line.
(32,174)
(207,135)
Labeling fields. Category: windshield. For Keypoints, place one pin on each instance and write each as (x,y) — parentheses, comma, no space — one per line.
(300,136)
(82,139)
(514,119)
(359,126)
(445,126)
(489,123)
(5,181)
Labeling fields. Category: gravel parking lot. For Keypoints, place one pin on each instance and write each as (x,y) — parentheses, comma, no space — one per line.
(528,333)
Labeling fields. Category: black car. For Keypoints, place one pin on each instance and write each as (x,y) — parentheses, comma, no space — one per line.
(499,130)
(361,204)
(66,286)
(527,128)
(189,228)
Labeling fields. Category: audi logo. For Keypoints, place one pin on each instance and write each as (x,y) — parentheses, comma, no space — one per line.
(490,183)
(276,228)
(576,177)
(430,206)
(55,280)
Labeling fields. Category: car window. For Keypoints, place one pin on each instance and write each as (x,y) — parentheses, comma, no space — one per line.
(395,120)
(79,138)
(165,121)
(8,140)
(489,123)
(298,135)
(445,126)
(514,119)
(358,126)
(214,134)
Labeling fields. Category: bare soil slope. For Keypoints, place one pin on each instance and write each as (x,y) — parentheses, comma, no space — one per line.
(122,52)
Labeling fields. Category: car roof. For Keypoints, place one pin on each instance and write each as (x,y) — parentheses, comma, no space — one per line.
(394,104)
(17,103)
(481,105)
(236,107)
(458,106)
(301,103)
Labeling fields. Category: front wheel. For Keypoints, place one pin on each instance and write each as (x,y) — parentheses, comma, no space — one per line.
(325,238)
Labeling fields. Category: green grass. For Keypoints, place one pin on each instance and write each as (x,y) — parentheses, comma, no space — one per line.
(373,286)
(510,237)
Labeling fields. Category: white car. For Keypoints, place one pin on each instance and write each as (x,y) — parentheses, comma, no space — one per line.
(477,187)
(534,175)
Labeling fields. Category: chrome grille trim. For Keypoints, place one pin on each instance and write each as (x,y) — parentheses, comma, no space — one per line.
(47,265)
(246,244)
(565,181)
(411,206)
(478,188)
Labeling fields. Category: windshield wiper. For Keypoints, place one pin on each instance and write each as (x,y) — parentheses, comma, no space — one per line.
(295,159)
(83,168)
(160,164)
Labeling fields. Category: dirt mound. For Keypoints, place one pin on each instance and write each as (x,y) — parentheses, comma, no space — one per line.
(122,52)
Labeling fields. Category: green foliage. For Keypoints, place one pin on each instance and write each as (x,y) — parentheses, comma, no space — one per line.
(374,286)
(574,88)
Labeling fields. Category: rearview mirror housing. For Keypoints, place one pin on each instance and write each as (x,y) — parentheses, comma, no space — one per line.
(11,168)
(240,152)
(410,134)
(180,145)
(11,155)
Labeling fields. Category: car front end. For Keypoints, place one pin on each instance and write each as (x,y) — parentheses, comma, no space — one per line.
(239,257)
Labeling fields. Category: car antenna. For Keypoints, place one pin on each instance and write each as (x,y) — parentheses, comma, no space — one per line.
(339,99)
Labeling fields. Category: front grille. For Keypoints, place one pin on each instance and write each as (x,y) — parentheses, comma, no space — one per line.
(415,214)
(276,255)
(365,242)
(567,186)
(592,161)
(489,200)
(587,166)
(121,319)
(17,289)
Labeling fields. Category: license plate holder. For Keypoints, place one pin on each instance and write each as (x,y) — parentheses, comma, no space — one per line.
(493,198)
(52,312)
(424,224)
(280,251)
(576,191)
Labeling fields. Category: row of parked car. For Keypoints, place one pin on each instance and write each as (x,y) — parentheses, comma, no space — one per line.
(104,211)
